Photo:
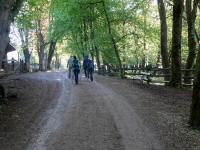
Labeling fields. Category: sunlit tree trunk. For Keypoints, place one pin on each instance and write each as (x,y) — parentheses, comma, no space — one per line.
(158,59)
(163,36)
(40,45)
(176,76)
(124,43)
(24,35)
(144,60)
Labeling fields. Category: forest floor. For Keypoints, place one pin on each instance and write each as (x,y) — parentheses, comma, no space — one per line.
(50,112)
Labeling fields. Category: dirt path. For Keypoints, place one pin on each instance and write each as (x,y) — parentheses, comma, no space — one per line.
(106,114)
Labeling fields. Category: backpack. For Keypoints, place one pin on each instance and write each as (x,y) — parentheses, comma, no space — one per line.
(90,65)
(85,63)
(76,64)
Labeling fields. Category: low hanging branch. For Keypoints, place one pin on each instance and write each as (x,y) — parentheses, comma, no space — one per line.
(128,34)
(90,3)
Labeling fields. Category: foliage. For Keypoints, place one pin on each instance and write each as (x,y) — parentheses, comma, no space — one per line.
(134,24)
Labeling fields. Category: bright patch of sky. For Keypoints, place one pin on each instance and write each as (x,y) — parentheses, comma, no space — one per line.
(11,55)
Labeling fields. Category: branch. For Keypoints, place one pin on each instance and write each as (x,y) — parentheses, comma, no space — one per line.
(90,3)
(128,34)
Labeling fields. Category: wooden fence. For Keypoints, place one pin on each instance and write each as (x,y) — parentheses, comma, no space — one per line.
(155,75)
(150,75)
(18,66)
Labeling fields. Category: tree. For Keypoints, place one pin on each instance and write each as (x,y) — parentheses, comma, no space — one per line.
(176,76)
(113,40)
(41,44)
(8,10)
(40,14)
(195,107)
(191,17)
(24,35)
(52,48)
(163,36)
(24,25)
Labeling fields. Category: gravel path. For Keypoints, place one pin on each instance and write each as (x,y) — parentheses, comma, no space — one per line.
(107,114)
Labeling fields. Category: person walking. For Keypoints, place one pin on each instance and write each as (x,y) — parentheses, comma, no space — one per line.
(69,66)
(76,68)
(90,68)
(85,66)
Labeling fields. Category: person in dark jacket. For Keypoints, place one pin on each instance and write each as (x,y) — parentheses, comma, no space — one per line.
(90,69)
(85,66)
(76,68)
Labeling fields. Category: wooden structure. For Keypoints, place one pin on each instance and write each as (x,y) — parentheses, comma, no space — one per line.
(154,75)
(149,74)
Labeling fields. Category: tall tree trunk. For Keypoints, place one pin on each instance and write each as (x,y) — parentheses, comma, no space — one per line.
(8,10)
(4,38)
(27,53)
(195,107)
(52,48)
(191,17)
(144,60)
(85,35)
(57,62)
(24,35)
(27,56)
(124,43)
(41,45)
(41,58)
(113,41)
(92,37)
(98,59)
(176,76)
(92,55)
(81,38)
(163,36)
(158,60)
